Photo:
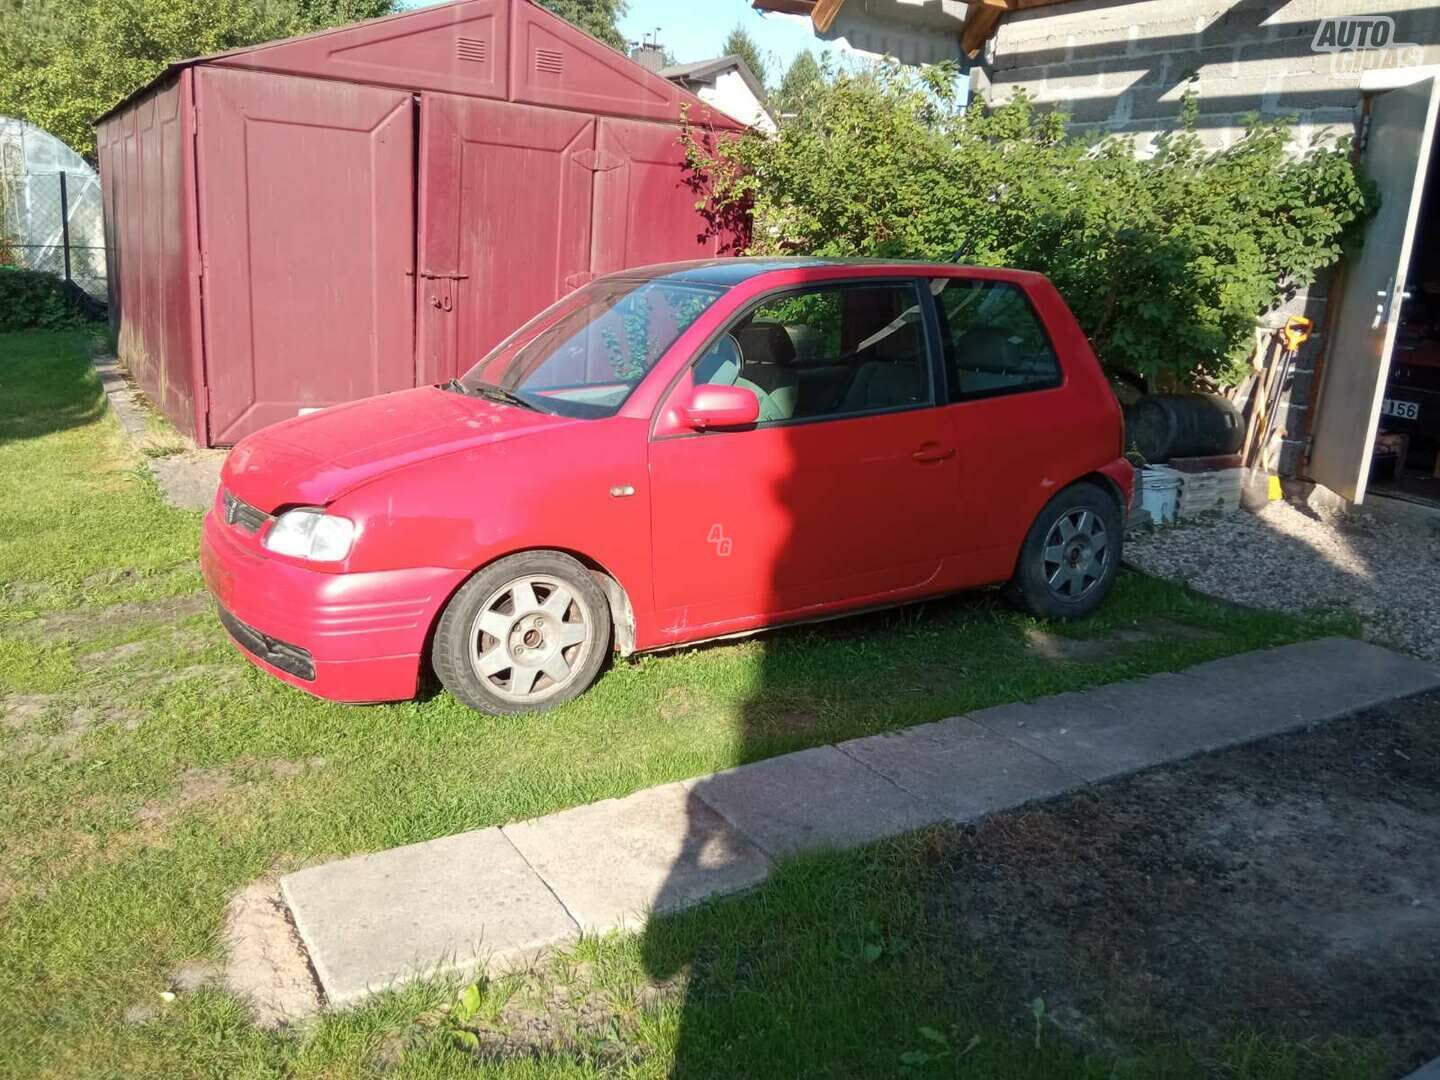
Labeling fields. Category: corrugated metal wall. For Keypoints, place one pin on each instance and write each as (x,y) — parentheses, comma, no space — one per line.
(146,182)
(377,206)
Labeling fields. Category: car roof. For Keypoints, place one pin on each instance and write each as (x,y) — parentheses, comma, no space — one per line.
(728,272)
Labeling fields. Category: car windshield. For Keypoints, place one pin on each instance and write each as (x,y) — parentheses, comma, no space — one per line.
(583,356)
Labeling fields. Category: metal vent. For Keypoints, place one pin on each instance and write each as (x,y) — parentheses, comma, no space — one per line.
(550,61)
(473,50)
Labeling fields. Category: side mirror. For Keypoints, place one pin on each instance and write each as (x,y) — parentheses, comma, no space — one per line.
(720,407)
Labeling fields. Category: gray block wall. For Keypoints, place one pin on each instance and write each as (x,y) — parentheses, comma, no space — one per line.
(1122,68)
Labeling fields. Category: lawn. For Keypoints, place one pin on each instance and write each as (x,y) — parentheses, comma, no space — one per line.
(148,772)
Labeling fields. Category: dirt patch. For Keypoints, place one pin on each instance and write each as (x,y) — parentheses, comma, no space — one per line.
(187,478)
(87,621)
(196,786)
(20,711)
(1111,646)
(25,715)
(201,786)
(265,963)
(567,1013)
(677,702)
(1291,886)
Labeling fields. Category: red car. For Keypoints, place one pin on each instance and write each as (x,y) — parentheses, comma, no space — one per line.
(672,454)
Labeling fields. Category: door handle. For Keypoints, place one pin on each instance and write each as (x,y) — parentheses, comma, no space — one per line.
(930,453)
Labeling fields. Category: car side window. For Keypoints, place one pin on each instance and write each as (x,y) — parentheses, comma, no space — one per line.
(830,351)
(994,340)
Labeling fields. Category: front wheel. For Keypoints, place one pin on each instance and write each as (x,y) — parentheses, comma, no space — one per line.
(1068,562)
(525,634)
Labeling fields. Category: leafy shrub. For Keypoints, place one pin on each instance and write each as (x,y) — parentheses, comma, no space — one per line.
(1166,260)
(31,299)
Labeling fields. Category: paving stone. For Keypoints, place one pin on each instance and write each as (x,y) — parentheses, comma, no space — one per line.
(964,769)
(660,849)
(1075,732)
(456,903)
(812,799)
(1362,669)
(1263,695)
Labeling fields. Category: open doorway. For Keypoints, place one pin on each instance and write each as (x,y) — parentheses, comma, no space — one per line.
(1406,460)
(1376,423)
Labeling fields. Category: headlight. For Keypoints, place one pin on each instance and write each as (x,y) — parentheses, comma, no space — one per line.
(310,533)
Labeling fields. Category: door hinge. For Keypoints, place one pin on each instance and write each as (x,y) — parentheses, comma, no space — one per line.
(580,277)
(597,160)
(442,275)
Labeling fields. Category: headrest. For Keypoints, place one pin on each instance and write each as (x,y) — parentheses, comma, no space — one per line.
(900,345)
(766,343)
(985,348)
(720,366)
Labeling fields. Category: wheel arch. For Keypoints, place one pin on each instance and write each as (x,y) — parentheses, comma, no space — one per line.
(622,611)
(1098,478)
(1106,481)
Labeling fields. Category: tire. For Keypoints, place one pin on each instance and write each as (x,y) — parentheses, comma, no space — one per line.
(525,634)
(1091,550)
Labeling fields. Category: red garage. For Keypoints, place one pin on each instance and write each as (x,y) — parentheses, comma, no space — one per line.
(373,207)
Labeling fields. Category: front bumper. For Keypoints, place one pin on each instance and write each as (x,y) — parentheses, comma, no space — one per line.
(348,637)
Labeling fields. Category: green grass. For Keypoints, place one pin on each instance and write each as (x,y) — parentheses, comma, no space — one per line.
(148,772)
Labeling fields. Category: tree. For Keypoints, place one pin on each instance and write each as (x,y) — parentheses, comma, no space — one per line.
(802,80)
(741,44)
(1166,260)
(68,61)
(598,18)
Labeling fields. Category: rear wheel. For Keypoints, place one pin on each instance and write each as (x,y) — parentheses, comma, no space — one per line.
(1068,562)
(525,634)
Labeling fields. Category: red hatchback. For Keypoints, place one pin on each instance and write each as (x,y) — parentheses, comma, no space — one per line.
(673,454)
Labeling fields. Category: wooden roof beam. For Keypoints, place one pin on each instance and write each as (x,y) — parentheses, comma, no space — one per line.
(823,14)
(981,21)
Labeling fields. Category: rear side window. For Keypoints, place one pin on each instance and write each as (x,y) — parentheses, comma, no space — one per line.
(994,341)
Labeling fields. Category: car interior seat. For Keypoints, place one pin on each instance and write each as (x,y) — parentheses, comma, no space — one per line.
(721,366)
(985,359)
(767,359)
(893,377)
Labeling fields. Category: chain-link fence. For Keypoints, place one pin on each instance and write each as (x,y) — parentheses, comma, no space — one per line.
(54,222)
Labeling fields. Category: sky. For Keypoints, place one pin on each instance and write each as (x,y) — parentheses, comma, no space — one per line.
(696,30)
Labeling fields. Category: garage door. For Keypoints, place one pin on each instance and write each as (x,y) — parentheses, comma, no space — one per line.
(307,234)
(504,222)
(644,212)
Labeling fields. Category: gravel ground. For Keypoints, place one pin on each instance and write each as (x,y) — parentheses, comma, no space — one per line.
(1291,558)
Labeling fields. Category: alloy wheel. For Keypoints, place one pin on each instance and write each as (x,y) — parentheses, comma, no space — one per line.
(530,638)
(1076,553)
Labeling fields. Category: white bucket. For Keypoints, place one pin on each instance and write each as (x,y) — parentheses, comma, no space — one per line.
(1159,492)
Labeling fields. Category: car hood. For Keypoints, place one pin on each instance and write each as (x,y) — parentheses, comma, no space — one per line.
(314,459)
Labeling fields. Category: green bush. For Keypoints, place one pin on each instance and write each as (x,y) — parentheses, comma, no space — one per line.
(33,300)
(1167,260)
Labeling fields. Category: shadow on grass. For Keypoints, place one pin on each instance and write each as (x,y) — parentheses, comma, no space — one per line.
(50,383)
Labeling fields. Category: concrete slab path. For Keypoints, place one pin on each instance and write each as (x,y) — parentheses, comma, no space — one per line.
(496,897)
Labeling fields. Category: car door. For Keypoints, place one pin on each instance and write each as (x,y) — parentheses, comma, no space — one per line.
(1008,415)
(837,496)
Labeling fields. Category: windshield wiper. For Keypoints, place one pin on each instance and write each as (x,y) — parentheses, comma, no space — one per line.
(491,392)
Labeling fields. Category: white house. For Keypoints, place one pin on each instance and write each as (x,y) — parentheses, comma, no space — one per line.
(726,83)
